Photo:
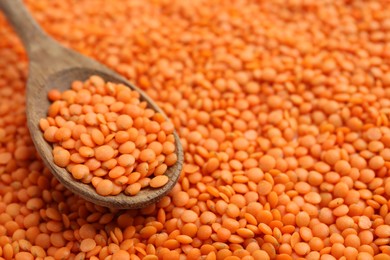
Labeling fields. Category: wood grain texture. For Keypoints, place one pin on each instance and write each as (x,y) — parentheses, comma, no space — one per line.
(53,66)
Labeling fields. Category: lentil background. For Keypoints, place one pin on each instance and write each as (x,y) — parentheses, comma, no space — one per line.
(283,111)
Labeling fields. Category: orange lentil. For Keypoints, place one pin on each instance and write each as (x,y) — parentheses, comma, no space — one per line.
(79,171)
(159,181)
(49,133)
(147,155)
(267,162)
(189,216)
(301,248)
(302,219)
(62,253)
(204,232)
(97,136)
(302,187)
(61,157)
(133,188)
(376,162)
(312,197)
(104,187)
(320,230)
(264,188)
(383,231)
(104,153)
(364,255)
(87,245)
(364,222)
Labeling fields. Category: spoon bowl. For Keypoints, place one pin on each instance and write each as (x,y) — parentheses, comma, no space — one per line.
(52,66)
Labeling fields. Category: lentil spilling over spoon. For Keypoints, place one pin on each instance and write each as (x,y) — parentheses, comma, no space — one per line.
(52,66)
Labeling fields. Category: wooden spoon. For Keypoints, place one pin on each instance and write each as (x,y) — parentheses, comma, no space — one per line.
(54,66)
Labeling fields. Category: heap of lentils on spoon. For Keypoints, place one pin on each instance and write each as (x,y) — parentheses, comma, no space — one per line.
(104,135)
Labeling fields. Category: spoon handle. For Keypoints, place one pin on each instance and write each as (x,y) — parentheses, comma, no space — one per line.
(31,34)
(42,49)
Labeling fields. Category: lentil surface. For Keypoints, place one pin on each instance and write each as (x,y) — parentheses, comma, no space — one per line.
(283,111)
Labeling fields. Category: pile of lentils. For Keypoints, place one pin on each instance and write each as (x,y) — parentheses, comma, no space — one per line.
(283,110)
